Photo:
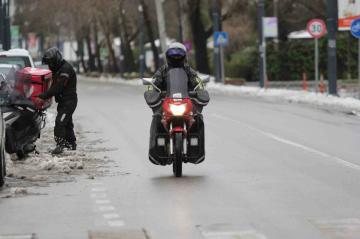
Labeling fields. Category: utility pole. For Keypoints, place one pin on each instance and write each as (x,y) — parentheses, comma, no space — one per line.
(332,22)
(181,20)
(7,25)
(1,25)
(276,14)
(217,28)
(141,42)
(261,14)
(161,26)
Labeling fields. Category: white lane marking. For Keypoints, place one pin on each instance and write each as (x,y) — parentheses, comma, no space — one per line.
(106,208)
(98,189)
(97,183)
(111,216)
(292,143)
(98,195)
(104,205)
(102,202)
(235,234)
(117,223)
(31,236)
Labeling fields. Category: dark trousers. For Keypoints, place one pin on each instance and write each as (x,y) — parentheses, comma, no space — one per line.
(64,126)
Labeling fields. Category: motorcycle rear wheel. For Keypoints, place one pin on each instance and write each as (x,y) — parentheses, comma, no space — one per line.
(177,164)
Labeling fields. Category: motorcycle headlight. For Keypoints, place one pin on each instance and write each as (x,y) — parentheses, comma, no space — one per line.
(177,110)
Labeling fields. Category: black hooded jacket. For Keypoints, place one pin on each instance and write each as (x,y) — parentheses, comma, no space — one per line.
(64,84)
(161,74)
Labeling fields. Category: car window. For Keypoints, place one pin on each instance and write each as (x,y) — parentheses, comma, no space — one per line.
(15,60)
(5,70)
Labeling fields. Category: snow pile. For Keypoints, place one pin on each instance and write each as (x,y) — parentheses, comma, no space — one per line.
(111,79)
(288,95)
(347,103)
(44,167)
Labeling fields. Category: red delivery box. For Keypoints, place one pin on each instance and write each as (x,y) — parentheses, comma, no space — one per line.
(31,82)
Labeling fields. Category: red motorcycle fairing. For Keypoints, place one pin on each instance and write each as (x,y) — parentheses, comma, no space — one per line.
(174,120)
(181,109)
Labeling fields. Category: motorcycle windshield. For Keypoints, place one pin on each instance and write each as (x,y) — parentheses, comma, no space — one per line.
(9,94)
(177,84)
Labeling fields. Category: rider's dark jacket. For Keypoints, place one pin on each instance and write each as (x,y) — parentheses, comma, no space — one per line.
(64,85)
(161,74)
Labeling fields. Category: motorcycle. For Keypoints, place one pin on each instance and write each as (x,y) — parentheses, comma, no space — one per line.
(177,127)
(23,115)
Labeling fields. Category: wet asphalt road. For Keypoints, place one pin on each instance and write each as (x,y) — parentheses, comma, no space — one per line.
(273,170)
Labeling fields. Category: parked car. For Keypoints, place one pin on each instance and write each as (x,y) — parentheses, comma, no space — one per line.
(19,57)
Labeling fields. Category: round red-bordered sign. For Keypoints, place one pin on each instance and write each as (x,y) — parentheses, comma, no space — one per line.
(316,28)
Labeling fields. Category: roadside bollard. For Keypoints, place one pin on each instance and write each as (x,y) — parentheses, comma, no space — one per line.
(305,84)
(267,83)
(322,86)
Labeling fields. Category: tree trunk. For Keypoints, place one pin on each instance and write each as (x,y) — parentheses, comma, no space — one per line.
(91,61)
(129,60)
(112,58)
(97,49)
(80,53)
(200,36)
(150,33)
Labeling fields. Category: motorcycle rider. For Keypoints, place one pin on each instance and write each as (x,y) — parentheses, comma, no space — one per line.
(64,91)
(176,57)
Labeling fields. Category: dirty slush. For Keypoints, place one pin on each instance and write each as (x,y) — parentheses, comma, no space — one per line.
(42,169)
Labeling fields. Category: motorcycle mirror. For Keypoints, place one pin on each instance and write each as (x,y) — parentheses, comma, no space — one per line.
(149,81)
(204,78)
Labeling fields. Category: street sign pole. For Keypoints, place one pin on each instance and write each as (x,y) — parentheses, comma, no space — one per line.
(317,63)
(261,14)
(332,13)
(264,59)
(217,51)
(317,29)
(221,48)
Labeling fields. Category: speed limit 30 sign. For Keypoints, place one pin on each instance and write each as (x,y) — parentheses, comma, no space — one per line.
(316,28)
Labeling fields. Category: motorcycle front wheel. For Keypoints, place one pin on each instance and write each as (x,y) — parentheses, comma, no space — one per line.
(2,151)
(177,164)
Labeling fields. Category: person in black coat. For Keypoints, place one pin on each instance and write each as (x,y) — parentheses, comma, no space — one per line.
(64,91)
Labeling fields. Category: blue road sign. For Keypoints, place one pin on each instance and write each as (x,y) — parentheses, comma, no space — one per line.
(221,38)
(355,28)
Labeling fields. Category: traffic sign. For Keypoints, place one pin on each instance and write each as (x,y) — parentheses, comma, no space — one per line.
(221,38)
(316,28)
(270,27)
(355,28)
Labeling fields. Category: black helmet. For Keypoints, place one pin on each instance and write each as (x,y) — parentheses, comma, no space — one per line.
(176,55)
(52,58)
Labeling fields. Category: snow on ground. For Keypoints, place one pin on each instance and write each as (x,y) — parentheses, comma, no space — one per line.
(43,168)
(296,96)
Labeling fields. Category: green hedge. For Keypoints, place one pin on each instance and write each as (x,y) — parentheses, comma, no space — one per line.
(291,58)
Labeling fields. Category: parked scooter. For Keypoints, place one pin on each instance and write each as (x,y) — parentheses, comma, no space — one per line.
(179,132)
(22,114)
